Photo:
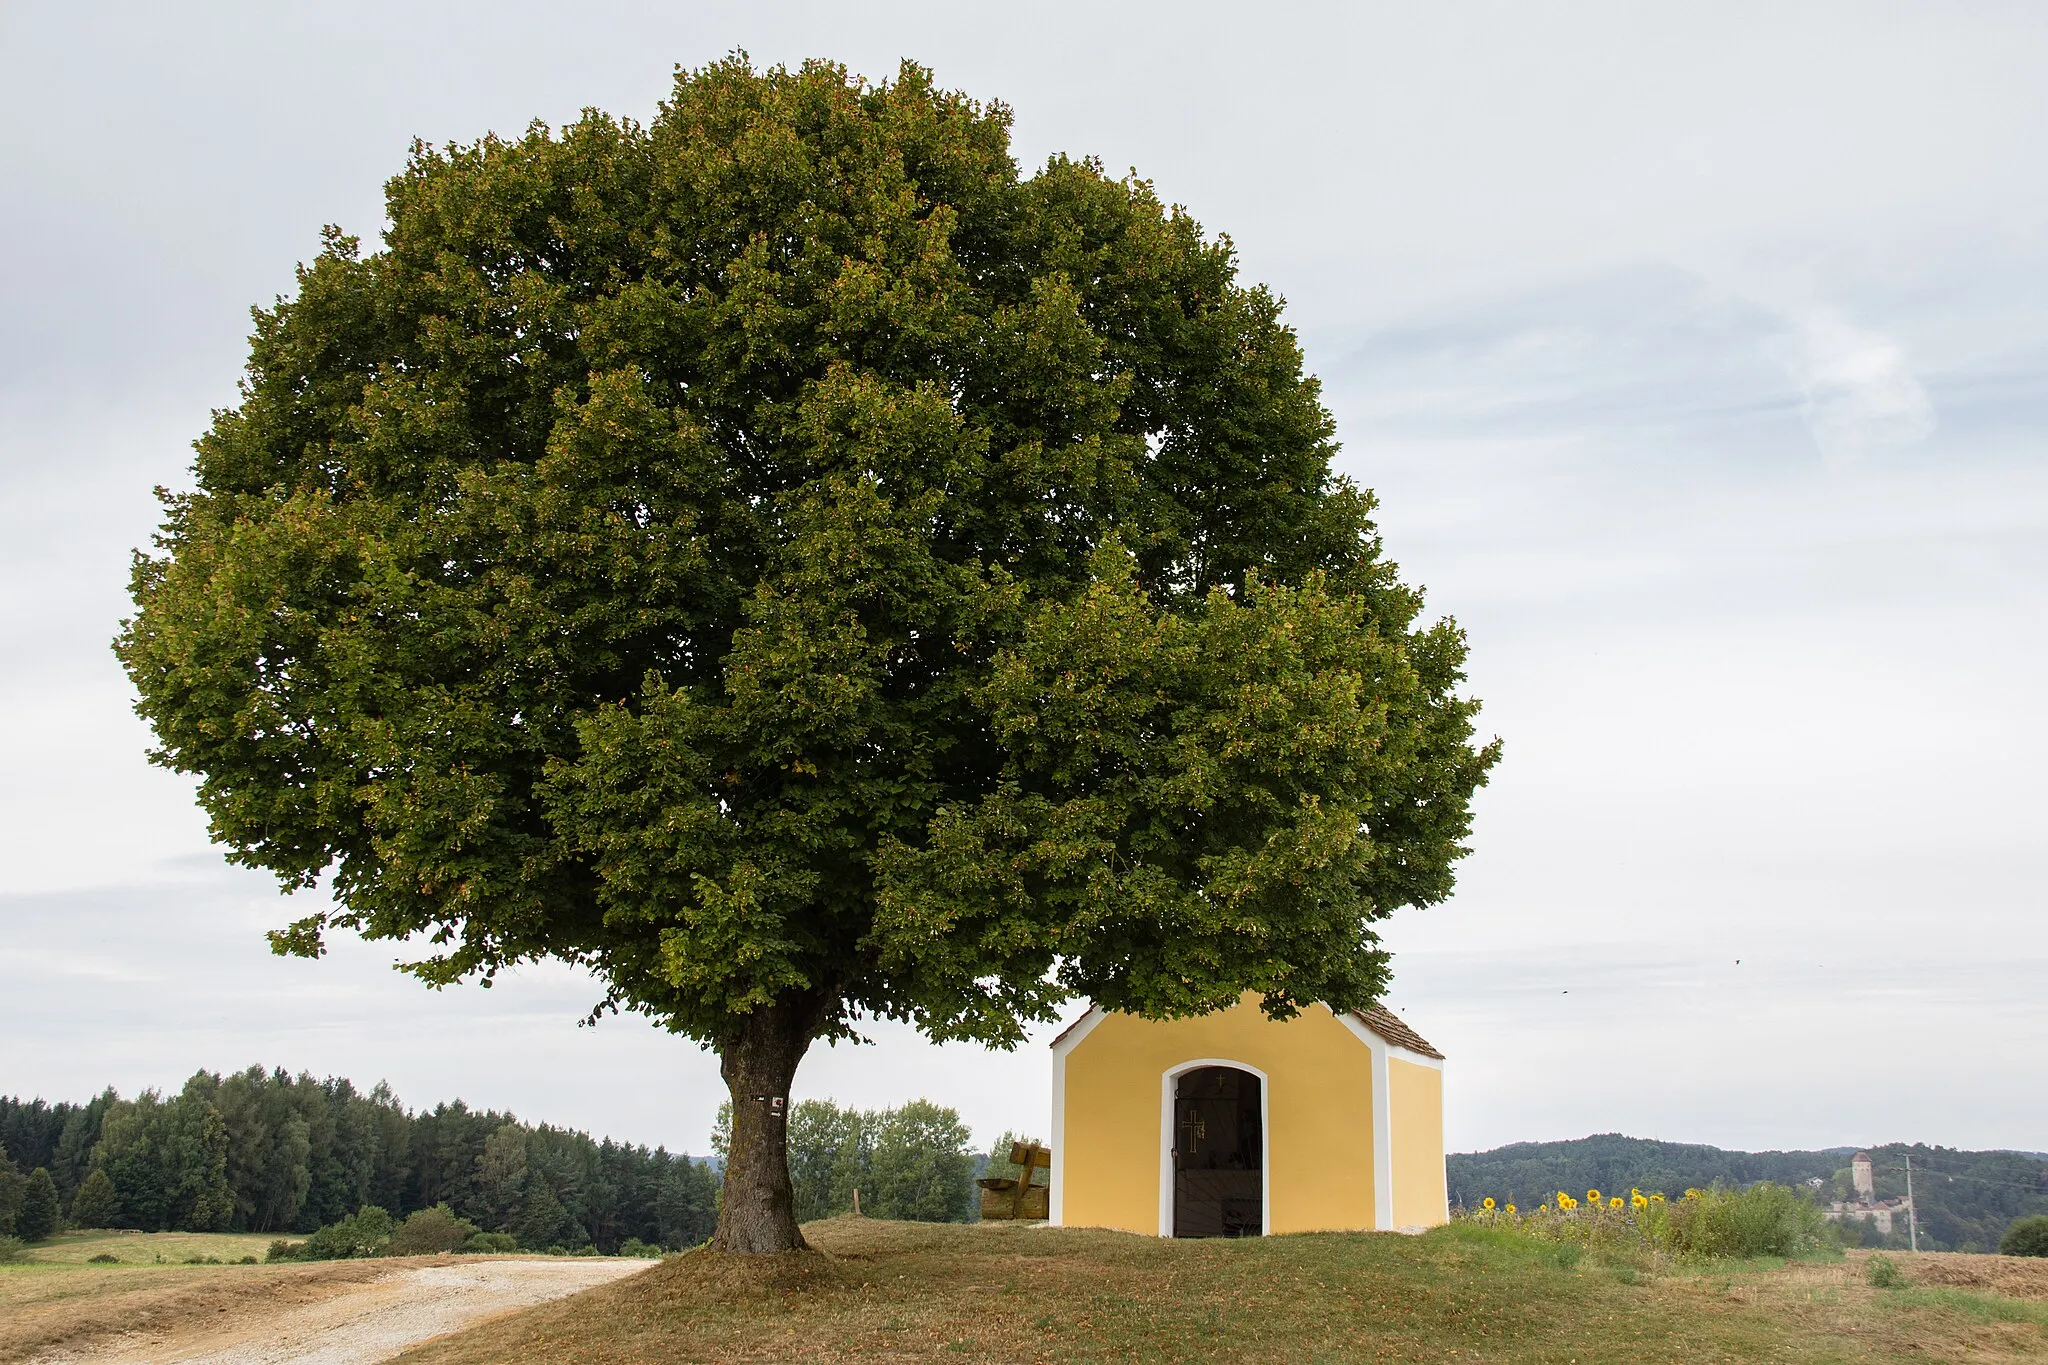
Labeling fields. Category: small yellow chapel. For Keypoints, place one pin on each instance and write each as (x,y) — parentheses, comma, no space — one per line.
(1234,1125)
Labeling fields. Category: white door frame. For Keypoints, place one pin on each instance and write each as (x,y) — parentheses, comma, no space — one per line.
(1166,1085)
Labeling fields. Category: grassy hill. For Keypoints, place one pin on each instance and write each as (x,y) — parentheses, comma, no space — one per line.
(1966,1198)
(997,1292)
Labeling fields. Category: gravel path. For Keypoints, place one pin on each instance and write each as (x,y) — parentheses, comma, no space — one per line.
(368,1322)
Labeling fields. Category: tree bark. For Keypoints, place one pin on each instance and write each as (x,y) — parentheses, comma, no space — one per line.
(758,1061)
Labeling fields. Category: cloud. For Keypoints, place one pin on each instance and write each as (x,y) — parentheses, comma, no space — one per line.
(1859,391)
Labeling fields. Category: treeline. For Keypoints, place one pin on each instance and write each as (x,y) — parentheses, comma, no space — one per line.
(911,1163)
(265,1151)
(1966,1199)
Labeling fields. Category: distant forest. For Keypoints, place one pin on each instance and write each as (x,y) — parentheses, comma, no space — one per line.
(1966,1199)
(266,1151)
(261,1151)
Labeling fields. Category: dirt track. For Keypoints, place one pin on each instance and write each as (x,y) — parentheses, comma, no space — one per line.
(360,1323)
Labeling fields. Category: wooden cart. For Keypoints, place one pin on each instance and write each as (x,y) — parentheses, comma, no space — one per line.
(1025,1196)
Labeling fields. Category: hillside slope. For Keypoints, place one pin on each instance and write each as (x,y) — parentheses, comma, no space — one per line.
(1966,1198)
(1000,1292)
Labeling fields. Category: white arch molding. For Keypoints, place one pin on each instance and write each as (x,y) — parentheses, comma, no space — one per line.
(1166,1085)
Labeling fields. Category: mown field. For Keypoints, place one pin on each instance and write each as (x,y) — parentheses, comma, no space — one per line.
(902,1291)
(150,1248)
(64,1303)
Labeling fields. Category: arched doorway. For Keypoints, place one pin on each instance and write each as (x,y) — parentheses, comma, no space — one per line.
(1219,1153)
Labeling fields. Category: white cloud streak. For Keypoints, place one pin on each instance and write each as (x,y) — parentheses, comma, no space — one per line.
(1860,393)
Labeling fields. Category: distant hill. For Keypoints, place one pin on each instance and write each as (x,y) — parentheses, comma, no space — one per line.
(1966,1198)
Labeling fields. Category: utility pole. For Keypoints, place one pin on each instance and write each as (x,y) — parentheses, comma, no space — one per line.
(1912,1209)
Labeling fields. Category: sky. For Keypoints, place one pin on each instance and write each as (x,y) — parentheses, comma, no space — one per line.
(1698,355)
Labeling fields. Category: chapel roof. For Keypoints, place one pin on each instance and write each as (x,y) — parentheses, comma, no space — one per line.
(1378,1018)
(1388,1025)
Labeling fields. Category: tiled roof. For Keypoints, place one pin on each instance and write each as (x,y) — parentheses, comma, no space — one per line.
(1388,1025)
(1379,1019)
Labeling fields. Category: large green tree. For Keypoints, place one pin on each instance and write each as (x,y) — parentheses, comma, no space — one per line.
(793,564)
(39,1210)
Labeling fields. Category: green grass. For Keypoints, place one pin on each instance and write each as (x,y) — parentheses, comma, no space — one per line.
(148,1248)
(896,1291)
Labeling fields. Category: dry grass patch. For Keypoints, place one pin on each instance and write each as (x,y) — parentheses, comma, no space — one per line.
(52,1306)
(897,1291)
(2015,1277)
(150,1248)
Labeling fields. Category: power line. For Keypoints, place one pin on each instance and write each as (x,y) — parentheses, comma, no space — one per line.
(1980,1179)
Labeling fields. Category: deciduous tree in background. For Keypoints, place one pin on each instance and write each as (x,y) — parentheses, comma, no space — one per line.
(790,563)
(168,1160)
(919,1165)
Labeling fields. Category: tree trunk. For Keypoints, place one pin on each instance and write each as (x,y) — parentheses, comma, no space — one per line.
(758,1061)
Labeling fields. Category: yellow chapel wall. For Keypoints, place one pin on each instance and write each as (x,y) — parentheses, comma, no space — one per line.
(1421,1199)
(1319,1119)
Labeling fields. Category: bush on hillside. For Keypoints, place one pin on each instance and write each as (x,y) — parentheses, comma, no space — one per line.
(431,1231)
(1767,1219)
(2027,1237)
(634,1247)
(281,1250)
(367,1233)
(12,1249)
(491,1243)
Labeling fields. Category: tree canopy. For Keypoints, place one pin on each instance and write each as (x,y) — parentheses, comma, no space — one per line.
(266,1151)
(790,562)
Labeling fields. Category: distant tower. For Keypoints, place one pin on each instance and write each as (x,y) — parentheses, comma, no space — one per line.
(1859,1175)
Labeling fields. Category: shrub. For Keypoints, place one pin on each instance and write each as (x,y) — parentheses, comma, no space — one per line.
(1883,1273)
(430,1231)
(634,1247)
(12,1249)
(366,1232)
(246,1260)
(108,1258)
(1767,1219)
(281,1250)
(491,1243)
(2026,1237)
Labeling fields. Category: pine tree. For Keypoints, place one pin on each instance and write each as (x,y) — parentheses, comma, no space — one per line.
(11,1189)
(38,1216)
(541,1219)
(96,1205)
